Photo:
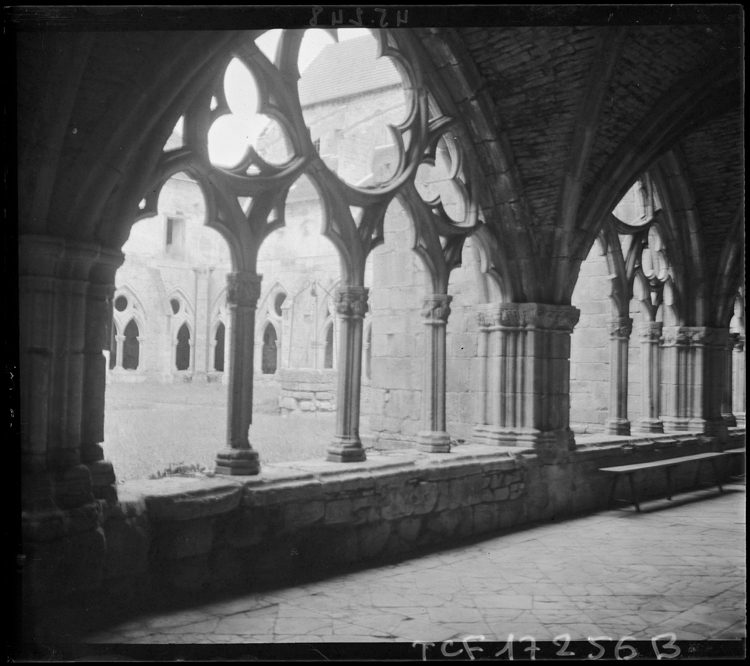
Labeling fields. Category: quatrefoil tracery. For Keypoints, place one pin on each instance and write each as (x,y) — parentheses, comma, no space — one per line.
(253,190)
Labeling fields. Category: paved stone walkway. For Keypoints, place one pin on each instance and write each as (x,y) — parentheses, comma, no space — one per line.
(677,567)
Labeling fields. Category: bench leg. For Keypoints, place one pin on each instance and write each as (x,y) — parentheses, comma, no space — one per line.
(669,483)
(611,501)
(633,492)
(697,475)
(716,475)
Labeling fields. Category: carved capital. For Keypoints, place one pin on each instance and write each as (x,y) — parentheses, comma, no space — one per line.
(243,289)
(436,308)
(352,301)
(739,344)
(620,327)
(529,315)
(708,337)
(676,335)
(650,331)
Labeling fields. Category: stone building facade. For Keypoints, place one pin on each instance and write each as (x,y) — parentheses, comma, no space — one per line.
(542,131)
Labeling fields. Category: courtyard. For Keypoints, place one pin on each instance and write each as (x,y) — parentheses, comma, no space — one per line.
(150,427)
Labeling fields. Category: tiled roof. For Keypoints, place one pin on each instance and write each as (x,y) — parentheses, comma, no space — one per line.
(346,68)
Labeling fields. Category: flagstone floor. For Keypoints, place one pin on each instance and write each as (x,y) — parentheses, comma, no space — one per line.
(676,567)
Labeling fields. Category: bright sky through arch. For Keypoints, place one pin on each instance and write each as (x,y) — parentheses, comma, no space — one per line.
(230,135)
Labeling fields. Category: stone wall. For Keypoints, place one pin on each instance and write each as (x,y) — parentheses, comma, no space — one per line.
(589,346)
(399,284)
(197,535)
(307,390)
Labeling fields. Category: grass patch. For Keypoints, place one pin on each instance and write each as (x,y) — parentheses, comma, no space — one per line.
(177,429)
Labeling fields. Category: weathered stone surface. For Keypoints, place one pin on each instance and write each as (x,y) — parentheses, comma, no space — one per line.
(302,514)
(127,547)
(178,498)
(338,511)
(184,538)
(373,538)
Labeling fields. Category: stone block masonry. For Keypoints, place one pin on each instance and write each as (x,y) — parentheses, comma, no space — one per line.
(198,535)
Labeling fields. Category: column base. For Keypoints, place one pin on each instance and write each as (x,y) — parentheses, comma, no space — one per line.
(237,462)
(617,427)
(346,450)
(432,441)
(715,428)
(740,416)
(523,437)
(103,481)
(649,425)
(673,423)
(730,420)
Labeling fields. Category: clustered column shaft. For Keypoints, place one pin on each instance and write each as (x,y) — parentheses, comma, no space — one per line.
(619,338)
(738,378)
(694,368)
(650,334)
(351,305)
(98,335)
(433,437)
(65,311)
(528,369)
(239,458)
(726,398)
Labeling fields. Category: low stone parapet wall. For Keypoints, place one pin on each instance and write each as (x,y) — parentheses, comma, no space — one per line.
(197,535)
(307,390)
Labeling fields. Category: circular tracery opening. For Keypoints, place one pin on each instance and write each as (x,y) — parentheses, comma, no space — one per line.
(175,305)
(121,303)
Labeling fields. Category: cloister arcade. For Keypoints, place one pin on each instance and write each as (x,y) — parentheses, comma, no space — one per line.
(579,271)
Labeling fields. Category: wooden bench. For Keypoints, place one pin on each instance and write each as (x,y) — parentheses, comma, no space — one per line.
(735,452)
(630,470)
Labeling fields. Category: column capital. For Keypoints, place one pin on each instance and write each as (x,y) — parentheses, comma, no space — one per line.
(243,288)
(676,336)
(739,343)
(352,301)
(436,308)
(708,337)
(620,327)
(528,316)
(650,331)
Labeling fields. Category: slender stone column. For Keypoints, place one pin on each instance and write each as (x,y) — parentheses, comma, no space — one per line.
(726,398)
(228,347)
(676,372)
(738,378)
(199,342)
(708,358)
(119,342)
(650,335)
(480,376)
(239,458)
(433,438)
(619,337)
(98,335)
(528,368)
(351,305)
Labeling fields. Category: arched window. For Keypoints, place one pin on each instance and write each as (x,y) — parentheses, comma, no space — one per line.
(328,359)
(130,347)
(278,302)
(113,348)
(219,349)
(182,353)
(269,350)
